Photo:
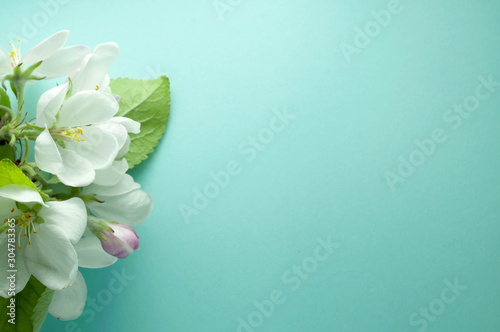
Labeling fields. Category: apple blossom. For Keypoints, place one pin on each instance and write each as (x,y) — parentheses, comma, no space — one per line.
(76,144)
(93,73)
(86,114)
(46,233)
(55,59)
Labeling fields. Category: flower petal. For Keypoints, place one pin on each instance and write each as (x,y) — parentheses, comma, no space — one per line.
(125,185)
(130,209)
(118,131)
(87,107)
(92,255)
(51,258)
(6,206)
(5,61)
(121,241)
(62,62)
(47,156)
(111,175)
(46,48)
(73,74)
(70,216)
(104,86)
(129,124)
(117,248)
(126,234)
(22,276)
(77,171)
(68,304)
(96,68)
(125,148)
(99,148)
(22,194)
(49,105)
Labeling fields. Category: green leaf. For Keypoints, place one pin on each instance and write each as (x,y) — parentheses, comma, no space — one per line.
(42,308)
(32,305)
(4,98)
(11,174)
(4,101)
(147,102)
(6,152)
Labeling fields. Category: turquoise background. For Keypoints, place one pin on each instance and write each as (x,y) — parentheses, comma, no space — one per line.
(322,175)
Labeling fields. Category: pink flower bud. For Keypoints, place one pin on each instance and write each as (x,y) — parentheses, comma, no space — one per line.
(119,241)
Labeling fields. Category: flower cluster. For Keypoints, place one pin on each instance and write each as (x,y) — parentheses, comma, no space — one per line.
(79,205)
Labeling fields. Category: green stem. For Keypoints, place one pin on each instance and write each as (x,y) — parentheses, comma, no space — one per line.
(12,141)
(48,191)
(34,173)
(31,134)
(20,102)
(5,133)
(8,110)
(26,154)
(32,165)
(28,169)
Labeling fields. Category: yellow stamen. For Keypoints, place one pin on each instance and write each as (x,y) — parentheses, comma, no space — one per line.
(15,54)
(73,133)
(26,219)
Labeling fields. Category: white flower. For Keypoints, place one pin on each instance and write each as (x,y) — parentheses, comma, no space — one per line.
(93,74)
(45,237)
(56,60)
(82,136)
(77,143)
(90,76)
